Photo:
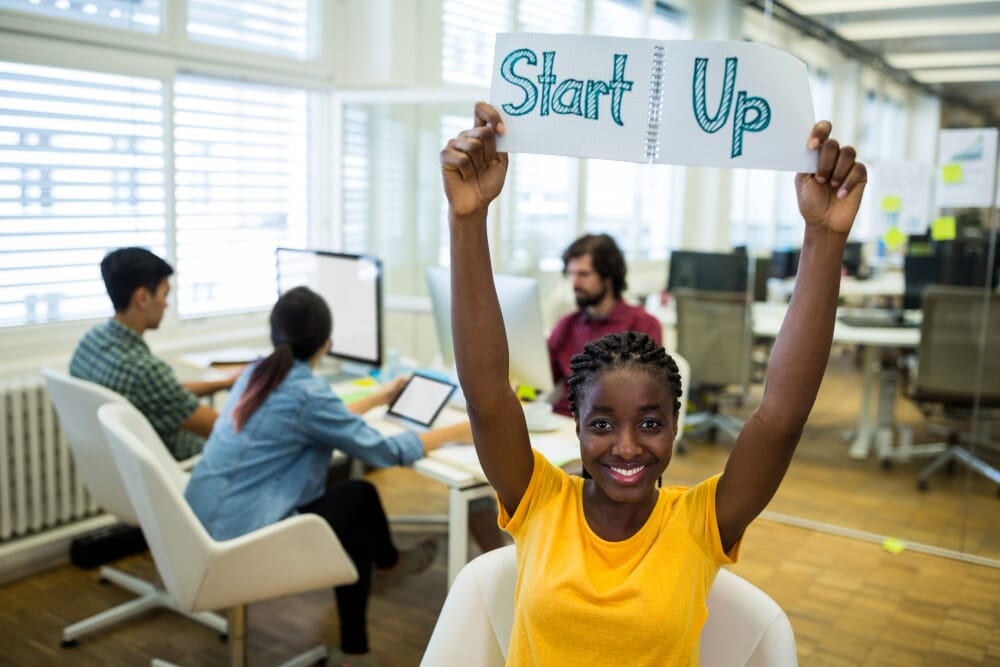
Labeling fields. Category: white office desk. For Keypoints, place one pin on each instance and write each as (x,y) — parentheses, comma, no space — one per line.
(457,467)
(884,284)
(767,319)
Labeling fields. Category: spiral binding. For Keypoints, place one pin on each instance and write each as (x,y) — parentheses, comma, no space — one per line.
(655,111)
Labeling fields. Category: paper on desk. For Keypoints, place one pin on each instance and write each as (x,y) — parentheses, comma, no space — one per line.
(229,355)
(557,449)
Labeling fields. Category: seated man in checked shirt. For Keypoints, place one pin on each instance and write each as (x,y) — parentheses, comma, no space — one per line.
(113,354)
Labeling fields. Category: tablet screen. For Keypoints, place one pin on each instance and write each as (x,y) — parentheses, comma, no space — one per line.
(421,400)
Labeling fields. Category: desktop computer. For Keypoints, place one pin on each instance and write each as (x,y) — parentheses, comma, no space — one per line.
(522,316)
(709,271)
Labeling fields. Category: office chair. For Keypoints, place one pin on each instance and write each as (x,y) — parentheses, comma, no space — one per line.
(714,334)
(297,554)
(76,402)
(745,627)
(950,359)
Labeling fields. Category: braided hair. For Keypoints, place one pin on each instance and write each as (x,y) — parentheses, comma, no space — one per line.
(625,350)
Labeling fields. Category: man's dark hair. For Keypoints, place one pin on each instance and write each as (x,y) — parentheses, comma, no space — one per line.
(606,256)
(127,269)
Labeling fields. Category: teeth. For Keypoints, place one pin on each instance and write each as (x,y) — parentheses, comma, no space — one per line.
(628,472)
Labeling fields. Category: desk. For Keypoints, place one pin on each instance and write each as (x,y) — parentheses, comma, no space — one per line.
(457,467)
(886,283)
(767,319)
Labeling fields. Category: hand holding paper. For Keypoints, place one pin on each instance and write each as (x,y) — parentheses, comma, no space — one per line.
(831,195)
(472,169)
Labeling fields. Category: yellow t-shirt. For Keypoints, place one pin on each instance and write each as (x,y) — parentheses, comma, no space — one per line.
(581,600)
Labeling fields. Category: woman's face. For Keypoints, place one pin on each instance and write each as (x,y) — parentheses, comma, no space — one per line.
(626,428)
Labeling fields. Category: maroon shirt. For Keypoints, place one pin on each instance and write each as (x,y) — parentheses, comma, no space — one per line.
(574,330)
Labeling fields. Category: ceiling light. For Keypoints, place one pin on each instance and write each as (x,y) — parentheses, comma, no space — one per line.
(869,30)
(957,75)
(943,59)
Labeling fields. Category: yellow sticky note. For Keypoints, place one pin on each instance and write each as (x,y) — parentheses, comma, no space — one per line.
(364,382)
(894,238)
(952,173)
(943,228)
(893,545)
(891,203)
(526,393)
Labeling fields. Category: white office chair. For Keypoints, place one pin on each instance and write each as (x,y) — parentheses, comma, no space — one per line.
(76,402)
(745,627)
(297,554)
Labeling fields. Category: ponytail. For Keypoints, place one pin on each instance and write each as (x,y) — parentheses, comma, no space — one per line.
(267,375)
(301,324)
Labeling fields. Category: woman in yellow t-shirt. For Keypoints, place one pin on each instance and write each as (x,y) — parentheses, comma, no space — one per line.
(613,570)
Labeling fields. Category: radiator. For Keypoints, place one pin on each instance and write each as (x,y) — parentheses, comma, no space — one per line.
(39,488)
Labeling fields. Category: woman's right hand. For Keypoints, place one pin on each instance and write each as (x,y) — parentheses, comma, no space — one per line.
(471,168)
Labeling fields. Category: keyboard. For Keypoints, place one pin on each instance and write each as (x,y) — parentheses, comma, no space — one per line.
(886,319)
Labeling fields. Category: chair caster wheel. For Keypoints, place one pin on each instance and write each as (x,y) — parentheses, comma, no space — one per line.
(68,643)
(223,637)
(886,464)
(922,484)
(103,581)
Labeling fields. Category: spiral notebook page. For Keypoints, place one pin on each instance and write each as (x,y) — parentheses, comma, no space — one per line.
(538,120)
(691,102)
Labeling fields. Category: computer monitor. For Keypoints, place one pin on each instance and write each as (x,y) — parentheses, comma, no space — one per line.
(762,271)
(784,263)
(352,287)
(852,257)
(522,317)
(919,271)
(710,271)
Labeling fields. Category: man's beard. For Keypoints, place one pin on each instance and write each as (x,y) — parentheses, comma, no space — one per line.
(587,300)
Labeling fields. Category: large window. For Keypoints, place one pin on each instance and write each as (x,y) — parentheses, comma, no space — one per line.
(81,172)
(211,173)
(241,176)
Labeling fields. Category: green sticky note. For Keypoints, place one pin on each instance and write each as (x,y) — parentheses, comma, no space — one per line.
(943,228)
(891,203)
(952,173)
(525,393)
(894,238)
(351,396)
(893,545)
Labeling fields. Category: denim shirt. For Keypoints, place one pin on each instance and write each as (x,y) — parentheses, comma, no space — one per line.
(278,462)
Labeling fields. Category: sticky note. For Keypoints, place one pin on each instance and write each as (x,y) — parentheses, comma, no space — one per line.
(894,238)
(893,545)
(952,173)
(364,382)
(351,396)
(943,228)
(891,203)
(525,393)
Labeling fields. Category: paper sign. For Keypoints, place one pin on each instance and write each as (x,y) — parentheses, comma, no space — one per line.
(894,238)
(967,173)
(891,204)
(943,228)
(951,173)
(693,102)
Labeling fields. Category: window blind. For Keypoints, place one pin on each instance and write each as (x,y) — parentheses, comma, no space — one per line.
(241,190)
(81,173)
(276,27)
(139,15)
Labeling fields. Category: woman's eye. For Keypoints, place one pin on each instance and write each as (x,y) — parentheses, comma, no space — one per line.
(650,424)
(601,425)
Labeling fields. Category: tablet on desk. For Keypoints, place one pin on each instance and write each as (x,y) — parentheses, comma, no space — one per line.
(420,401)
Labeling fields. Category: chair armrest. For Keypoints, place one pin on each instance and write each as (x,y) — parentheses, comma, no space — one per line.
(295,555)
(188,464)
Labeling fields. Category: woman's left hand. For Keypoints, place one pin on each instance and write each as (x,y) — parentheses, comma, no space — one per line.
(830,197)
(388,392)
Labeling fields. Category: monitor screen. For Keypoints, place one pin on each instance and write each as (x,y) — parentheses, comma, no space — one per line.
(712,271)
(784,263)
(852,257)
(522,317)
(352,287)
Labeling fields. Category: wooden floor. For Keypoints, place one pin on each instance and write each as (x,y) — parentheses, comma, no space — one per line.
(850,602)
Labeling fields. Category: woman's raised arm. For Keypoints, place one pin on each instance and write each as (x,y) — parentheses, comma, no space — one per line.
(473,173)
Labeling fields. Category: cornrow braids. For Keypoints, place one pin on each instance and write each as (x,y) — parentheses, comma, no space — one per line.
(625,350)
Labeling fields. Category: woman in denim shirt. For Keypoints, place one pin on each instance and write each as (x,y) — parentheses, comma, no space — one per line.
(269,451)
